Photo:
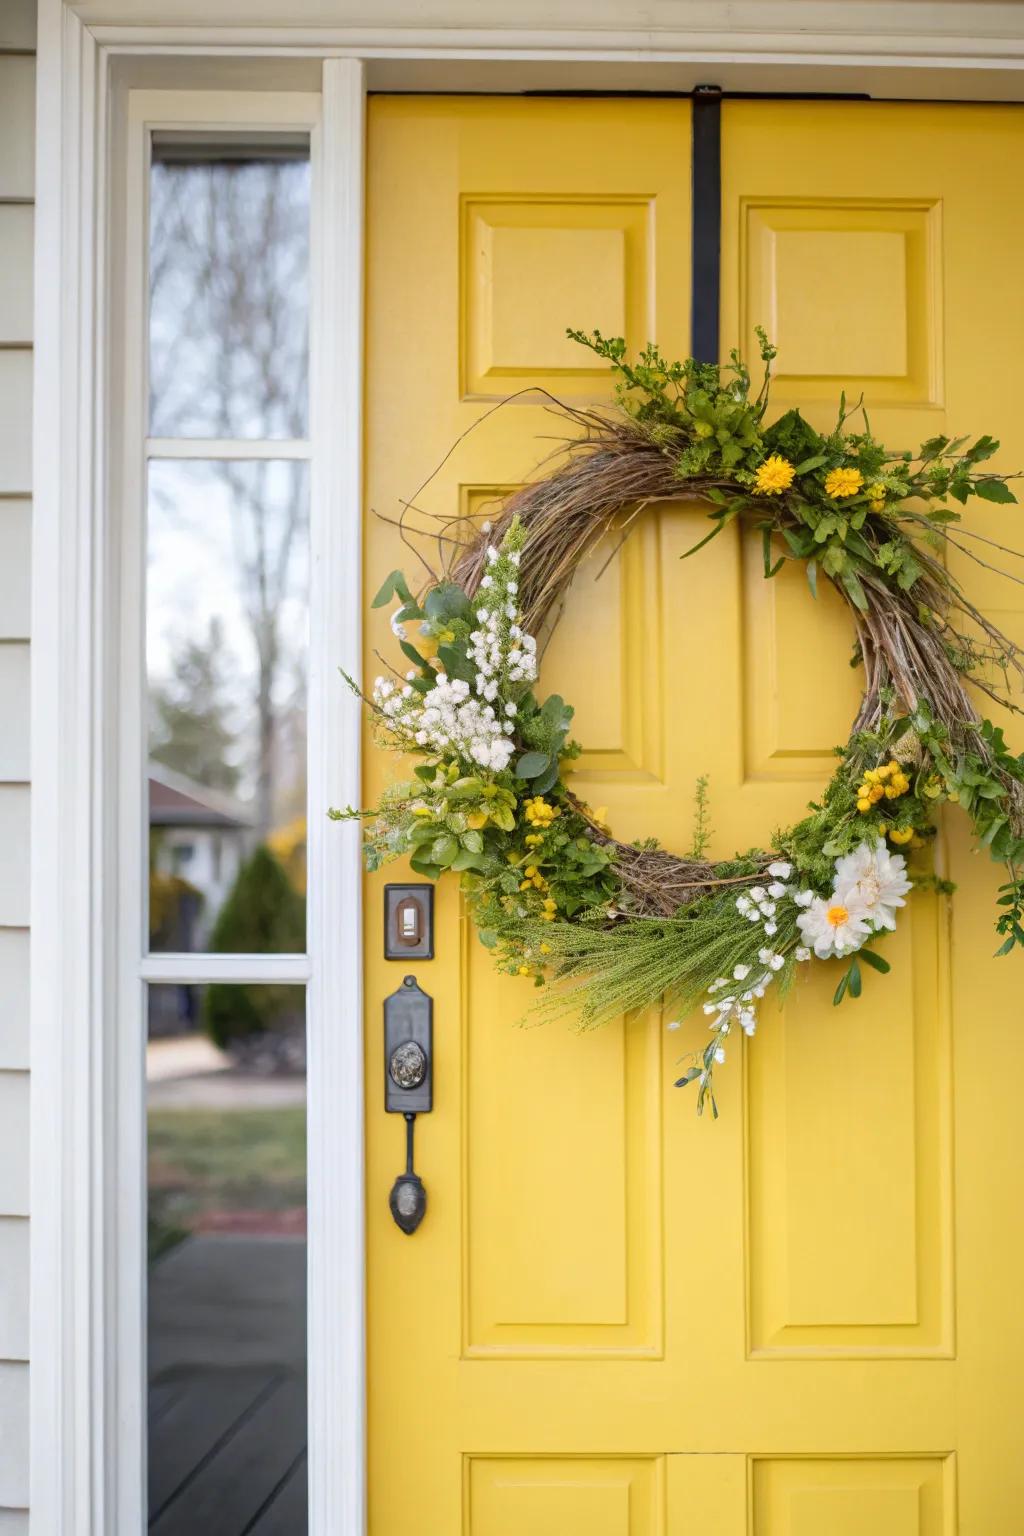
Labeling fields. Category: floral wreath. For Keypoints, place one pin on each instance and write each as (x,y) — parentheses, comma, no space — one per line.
(607,927)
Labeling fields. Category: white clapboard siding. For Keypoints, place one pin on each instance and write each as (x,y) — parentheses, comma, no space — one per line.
(13,1437)
(14,1100)
(15,412)
(17,179)
(13,1289)
(14,961)
(14,845)
(16,226)
(17,125)
(15,565)
(17,30)
(14,712)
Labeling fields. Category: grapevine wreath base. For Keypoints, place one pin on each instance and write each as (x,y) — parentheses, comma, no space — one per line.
(606,927)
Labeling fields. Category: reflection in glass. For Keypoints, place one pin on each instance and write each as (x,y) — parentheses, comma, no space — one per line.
(225,1070)
(226,656)
(229,293)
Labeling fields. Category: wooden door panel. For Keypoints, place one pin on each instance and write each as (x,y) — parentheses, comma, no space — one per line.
(617,1319)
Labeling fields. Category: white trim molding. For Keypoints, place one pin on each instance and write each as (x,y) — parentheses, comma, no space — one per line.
(87,1297)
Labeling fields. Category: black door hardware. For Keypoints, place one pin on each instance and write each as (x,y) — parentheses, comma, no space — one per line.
(408,1088)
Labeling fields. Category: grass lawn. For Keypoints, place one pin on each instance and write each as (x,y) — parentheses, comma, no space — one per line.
(205,1162)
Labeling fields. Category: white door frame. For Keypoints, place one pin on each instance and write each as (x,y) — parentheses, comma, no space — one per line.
(85,1379)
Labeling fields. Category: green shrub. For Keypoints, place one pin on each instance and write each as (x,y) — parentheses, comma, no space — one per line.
(263,915)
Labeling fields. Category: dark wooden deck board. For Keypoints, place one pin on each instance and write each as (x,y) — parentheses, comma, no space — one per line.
(207,1409)
(224,1453)
(287,1514)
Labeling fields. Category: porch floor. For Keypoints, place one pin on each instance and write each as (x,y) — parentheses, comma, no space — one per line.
(227,1392)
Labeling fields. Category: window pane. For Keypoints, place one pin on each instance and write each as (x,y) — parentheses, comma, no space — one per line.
(226,654)
(225,1068)
(229,294)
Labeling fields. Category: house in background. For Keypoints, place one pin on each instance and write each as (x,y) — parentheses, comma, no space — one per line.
(198,838)
(198,841)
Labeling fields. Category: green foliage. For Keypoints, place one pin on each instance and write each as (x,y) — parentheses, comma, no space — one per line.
(703,413)
(262,915)
(701,819)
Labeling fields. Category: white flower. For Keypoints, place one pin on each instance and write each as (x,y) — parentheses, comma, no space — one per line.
(802,952)
(768,908)
(758,892)
(718,984)
(875,880)
(740,972)
(780,870)
(771,928)
(776,962)
(743,904)
(804,898)
(834,926)
(776,890)
(487,581)
(397,628)
(719,1054)
(486,527)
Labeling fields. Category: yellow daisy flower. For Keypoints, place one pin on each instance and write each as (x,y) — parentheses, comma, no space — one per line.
(843,482)
(774,476)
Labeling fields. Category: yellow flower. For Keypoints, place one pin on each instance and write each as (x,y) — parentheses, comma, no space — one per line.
(843,482)
(422,810)
(774,476)
(545,949)
(524,970)
(476,820)
(863,806)
(539,813)
(901,834)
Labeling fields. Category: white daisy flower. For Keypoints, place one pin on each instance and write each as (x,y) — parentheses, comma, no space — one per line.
(875,880)
(834,926)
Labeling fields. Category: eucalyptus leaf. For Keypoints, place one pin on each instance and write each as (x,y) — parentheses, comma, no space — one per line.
(532,764)
(395,583)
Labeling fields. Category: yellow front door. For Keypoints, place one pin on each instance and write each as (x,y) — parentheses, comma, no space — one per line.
(617,1320)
